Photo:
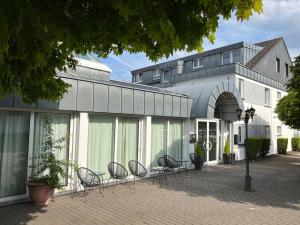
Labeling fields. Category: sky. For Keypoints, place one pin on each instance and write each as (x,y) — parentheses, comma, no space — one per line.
(280,18)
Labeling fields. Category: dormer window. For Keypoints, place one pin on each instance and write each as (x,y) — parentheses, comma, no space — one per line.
(166,76)
(226,58)
(156,74)
(277,65)
(197,63)
(138,77)
(236,56)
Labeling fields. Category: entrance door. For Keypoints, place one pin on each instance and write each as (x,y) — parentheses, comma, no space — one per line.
(208,137)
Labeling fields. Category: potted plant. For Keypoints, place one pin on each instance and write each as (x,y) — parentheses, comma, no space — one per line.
(198,156)
(48,171)
(226,154)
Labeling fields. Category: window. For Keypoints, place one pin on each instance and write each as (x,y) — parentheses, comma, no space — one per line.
(138,77)
(166,76)
(240,134)
(166,139)
(60,124)
(173,71)
(198,63)
(267,131)
(241,87)
(14,133)
(156,74)
(286,70)
(279,130)
(100,143)
(127,145)
(267,96)
(159,140)
(236,56)
(278,95)
(226,58)
(277,65)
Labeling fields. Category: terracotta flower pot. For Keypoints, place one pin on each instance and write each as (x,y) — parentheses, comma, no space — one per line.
(40,194)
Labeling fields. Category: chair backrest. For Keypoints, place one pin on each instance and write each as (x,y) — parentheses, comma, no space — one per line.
(171,162)
(161,162)
(137,169)
(192,158)
(87,177)
(117,171)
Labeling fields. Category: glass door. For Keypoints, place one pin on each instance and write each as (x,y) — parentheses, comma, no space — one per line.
(208,137)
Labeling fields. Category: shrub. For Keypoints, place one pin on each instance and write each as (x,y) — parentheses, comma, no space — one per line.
(265,147)
(198,150)
(253,145)
(282,145)
(296,144)
(226,148)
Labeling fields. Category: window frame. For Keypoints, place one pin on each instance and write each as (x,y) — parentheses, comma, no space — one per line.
(156,74)
(241,87)
(279,96)
(267,97)
(198,60)
(286,70)
(279,131)
(277,65)
(230,57)
(163,76)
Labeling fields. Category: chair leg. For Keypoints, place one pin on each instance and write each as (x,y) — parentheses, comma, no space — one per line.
(76,191)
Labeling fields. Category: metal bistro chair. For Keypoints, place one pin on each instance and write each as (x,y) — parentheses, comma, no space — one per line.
(88,179)
(136,169)
(117,172)
(173,164)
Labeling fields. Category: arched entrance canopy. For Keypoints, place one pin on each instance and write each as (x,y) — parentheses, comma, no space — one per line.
(211,96)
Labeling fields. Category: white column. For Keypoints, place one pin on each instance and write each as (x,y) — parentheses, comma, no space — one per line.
(147,142)
(83,139)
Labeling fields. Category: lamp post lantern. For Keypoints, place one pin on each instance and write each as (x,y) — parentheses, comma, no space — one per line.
(249,114)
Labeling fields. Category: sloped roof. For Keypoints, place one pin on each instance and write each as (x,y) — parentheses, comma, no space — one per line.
(267,46)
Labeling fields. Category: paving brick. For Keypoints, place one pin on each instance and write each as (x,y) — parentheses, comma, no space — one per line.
(212,196)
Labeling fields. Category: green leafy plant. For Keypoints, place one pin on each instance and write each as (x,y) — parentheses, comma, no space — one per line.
(253,145)
(38,38)
(282,145)
(226,148)
(49,170)
(199,150)
(296,144)
(264,146)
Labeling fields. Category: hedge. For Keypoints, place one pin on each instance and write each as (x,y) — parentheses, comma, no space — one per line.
(282,145)
(296,144)
(258,147)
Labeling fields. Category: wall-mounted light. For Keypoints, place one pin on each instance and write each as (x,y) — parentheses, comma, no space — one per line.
(192,137)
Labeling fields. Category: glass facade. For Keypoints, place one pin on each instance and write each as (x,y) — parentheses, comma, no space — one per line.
(14,139)
(100,143)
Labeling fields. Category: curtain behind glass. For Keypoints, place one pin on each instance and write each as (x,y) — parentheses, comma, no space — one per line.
(60,123)
(159,140)
(100,143)
(14,135)
(127,140)
(175,136)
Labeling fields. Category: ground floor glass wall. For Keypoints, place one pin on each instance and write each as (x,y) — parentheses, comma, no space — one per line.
(14,138)
(60,125)
(100,142)
(166,139)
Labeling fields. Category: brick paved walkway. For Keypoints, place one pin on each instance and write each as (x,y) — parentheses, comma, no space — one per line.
(214,196)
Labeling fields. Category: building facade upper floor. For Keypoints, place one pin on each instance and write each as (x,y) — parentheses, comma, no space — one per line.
(270,59)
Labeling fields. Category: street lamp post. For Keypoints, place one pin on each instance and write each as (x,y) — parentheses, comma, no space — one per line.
(249,113)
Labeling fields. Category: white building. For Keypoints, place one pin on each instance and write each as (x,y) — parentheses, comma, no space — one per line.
(106,120)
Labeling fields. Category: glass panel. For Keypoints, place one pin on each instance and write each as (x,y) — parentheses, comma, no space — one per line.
(175,136)
(60,123)
(226,57)
(166,76)
(14,132)
(236,56)
(127,140)
(159,140)
(212,141)
(202,136)
(100,143)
